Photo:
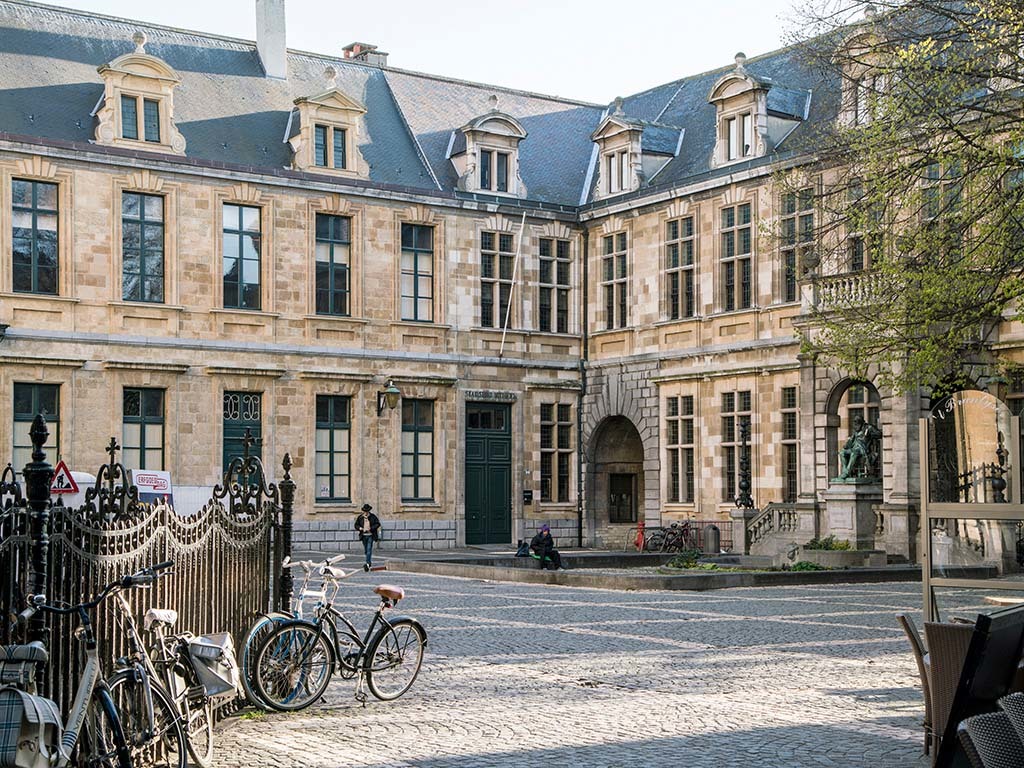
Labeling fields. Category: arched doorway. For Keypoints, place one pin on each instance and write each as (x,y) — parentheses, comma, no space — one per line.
(616,475)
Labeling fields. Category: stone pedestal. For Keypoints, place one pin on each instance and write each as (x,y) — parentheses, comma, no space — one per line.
(740,516)
(849,510)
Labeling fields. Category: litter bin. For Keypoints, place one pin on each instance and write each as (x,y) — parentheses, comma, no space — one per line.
(712,540)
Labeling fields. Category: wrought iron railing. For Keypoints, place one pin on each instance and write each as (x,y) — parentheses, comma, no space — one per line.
(227,556)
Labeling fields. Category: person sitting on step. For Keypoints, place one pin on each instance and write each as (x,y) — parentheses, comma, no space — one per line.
(543,547)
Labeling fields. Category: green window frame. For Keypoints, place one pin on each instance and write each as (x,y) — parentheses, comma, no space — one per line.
(30,399)
(497,262)
(333,448)
(129,117)
(615,281)
(555,266)
(417,450)
(737,250)
(417,283)
(797,237)
(142,429)
(151,120)
(34,230)
(790,445)
(680,280)
(242,410)
(339,160)
(142,247)
(679,423)
(242,242)
(333,265)
(555,452)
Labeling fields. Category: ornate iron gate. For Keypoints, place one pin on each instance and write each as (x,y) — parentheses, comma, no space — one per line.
(227,556)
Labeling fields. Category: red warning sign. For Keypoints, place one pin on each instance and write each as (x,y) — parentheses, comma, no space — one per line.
(63,482)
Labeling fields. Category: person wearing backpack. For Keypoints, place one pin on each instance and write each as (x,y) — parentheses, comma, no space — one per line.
(368,526)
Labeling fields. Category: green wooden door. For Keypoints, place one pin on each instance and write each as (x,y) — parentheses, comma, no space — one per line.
(488,474)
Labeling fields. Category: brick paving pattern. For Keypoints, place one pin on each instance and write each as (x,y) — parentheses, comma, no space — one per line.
(523,675)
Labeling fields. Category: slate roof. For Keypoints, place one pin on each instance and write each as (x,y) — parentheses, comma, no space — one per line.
(228,111)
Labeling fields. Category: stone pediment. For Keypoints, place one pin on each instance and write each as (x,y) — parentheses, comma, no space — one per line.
(333,99)
(497,124)
(141,65)
(614,125)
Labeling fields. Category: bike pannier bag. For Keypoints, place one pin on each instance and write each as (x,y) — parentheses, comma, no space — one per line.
(213,657)
(30,730)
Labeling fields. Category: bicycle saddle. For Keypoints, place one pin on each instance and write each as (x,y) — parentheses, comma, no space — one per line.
(33,651)
(390,592)
(160,616)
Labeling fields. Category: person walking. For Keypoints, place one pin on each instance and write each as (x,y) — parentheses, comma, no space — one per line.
(368,526)
(544,547)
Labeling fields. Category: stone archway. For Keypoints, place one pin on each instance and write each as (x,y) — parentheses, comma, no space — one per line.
(616,478)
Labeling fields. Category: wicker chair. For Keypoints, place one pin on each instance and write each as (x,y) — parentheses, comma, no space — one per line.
(947,649)
(991,742)
(1013,706)
(917,648)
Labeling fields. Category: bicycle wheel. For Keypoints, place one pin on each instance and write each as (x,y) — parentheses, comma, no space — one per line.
(197,716)
(394,659)
(160,743)
(348,648)
(293,666)
(264,625)
(101,743)
(655,542)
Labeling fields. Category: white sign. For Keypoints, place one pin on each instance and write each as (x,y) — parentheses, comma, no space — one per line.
(63,482)
(153,485)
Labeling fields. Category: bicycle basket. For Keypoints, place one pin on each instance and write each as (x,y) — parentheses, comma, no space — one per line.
(213,658)
(30,729)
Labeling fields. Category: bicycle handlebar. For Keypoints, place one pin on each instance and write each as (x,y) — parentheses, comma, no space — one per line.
(145,577)
(309,565)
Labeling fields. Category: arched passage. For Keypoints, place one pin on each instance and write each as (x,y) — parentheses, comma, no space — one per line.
(616,474)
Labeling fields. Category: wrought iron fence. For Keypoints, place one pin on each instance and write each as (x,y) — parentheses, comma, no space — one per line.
(227,556)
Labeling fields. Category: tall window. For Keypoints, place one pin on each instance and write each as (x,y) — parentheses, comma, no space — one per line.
(861,400)
(941,191)
(555,451)
(865,228)
(242,410)
(739,135)
(737,249)
(130,126)
(34,236)
(553,304)
(329,149)
(679,268)
(142,247)
(417,450)
(497,260)
(679,439)
(417,272)
(790,448)
(1015,396)
(333,451)
(616,169)
(30,399)
(241,257)
(735,411)
(333,255)
(797,237)
(494,170)
(615,281)
(142,435)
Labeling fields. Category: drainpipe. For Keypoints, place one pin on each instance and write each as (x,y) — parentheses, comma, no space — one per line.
(584,326)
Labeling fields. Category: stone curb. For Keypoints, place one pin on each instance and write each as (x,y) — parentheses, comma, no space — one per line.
(695,582)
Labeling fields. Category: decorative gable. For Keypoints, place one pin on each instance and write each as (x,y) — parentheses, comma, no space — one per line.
(485,153)
(741,104)
(324,136)
(619,141)
(137,108)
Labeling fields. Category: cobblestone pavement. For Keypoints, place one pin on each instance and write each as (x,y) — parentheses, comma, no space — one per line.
(525,675)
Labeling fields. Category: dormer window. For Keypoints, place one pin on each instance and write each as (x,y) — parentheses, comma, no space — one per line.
(740,132)
(329,147)
(324,131)
(485,153)
(617,172)
(137,109)
(494,170)
(132,127)
(618,140)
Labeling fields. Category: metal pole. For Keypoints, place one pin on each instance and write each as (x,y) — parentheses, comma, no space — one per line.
(287,487)
(38,475)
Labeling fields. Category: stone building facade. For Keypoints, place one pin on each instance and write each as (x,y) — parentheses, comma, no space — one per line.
(580,304)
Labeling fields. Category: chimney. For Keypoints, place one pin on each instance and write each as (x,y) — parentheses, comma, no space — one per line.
(270,38)
(366,53)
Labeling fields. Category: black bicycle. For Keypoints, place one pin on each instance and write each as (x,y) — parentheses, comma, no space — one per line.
(296,661)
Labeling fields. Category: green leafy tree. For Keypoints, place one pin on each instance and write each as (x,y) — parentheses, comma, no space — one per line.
(920,263)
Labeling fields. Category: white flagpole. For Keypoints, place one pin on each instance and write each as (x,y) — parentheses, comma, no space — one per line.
(512,290)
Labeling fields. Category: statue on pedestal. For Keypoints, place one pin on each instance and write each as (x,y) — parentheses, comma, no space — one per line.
(858,456)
